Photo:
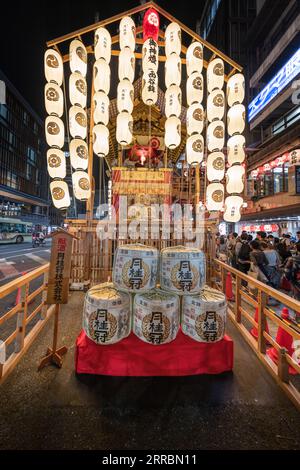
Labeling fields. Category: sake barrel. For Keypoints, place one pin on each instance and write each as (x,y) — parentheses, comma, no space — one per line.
(156,316)
(106,314)
(135,268)
(182,270)
(204,316)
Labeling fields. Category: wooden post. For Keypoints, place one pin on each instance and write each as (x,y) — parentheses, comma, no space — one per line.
(90,201)
(44,297)
(283,366)
(197,184)
(262,302)
(54,355)
(237,299)
(21,320)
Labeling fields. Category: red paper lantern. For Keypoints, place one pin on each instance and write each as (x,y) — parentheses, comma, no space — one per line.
(151,24)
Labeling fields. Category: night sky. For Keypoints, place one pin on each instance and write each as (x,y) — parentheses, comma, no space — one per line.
(26,26)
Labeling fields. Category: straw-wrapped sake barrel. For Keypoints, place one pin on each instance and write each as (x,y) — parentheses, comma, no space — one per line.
(182,270)
(106,314)
(135,268)
(204,316)
(156,316)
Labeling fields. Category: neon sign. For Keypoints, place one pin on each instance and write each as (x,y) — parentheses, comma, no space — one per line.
(285,75)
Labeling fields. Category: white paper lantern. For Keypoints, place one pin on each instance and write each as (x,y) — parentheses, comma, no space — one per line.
(173,39)
(127,33)
(215,136)
(124,128)
(215,168)
(214,196)
(173,101)
(233,206)
(77,90)
(102,76)
(81,185)
(101,140)
(53,66)
(55,131)
(102,44)
(150,55)
(56,163)
(195,119)
(194,88)
(294,157)
(235,179)
(173,70)
(79,154)
(215,75)
(54,99)
(125,94)
(126,65)
(60,194)
(194,58)
(236,89)
(172,132)
(195,149)
(150,87)
(215,105)
(78,57)
(101,108)
(236,119)
(236,149)
(77,122)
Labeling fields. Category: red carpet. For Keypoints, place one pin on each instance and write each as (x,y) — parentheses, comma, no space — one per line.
(133,357)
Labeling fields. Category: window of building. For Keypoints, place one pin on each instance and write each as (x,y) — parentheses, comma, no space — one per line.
(286,121)
(3,111)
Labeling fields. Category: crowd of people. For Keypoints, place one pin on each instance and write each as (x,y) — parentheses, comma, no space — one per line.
(275,261)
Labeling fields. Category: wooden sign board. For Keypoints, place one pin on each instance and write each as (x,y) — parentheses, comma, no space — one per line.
(60,266)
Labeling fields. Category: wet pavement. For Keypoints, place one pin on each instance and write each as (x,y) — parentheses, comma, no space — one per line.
(55,409)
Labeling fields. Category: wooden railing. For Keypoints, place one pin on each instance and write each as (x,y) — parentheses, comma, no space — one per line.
(23,313)
(249,295)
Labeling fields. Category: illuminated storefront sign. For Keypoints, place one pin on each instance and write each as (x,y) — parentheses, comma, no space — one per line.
(262,228)
(285,75)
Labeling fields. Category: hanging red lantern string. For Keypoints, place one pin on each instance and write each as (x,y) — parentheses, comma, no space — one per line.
(151,25)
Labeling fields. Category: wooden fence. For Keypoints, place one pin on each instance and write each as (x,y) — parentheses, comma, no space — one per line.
(249,296)
(23,314)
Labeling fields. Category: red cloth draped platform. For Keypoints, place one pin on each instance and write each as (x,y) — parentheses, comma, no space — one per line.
(133,357)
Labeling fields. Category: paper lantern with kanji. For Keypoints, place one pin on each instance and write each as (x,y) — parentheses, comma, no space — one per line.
(81,185)
(173,70)
(126,64)
(77,90)
(236,89)
(55,131)
(78,57)
(215,105)
(101,140)
(79,154)
(60,194)
(56,163)
(54,99)
(194,88)
(195,119)
(172,132)
(236,119)
(215,136)
(235,179)
(173,101)
(101,108)
(233,206)
(194,149)
(214,196)
(194,58)
(127,33)
(173,39)
(124,128)
(150,55)
(236,149)
(150,87)
(102,47)
(151,24)
(125,93)
(215,168)
(77,122)
(101,76)
(215,75)
(53,66)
